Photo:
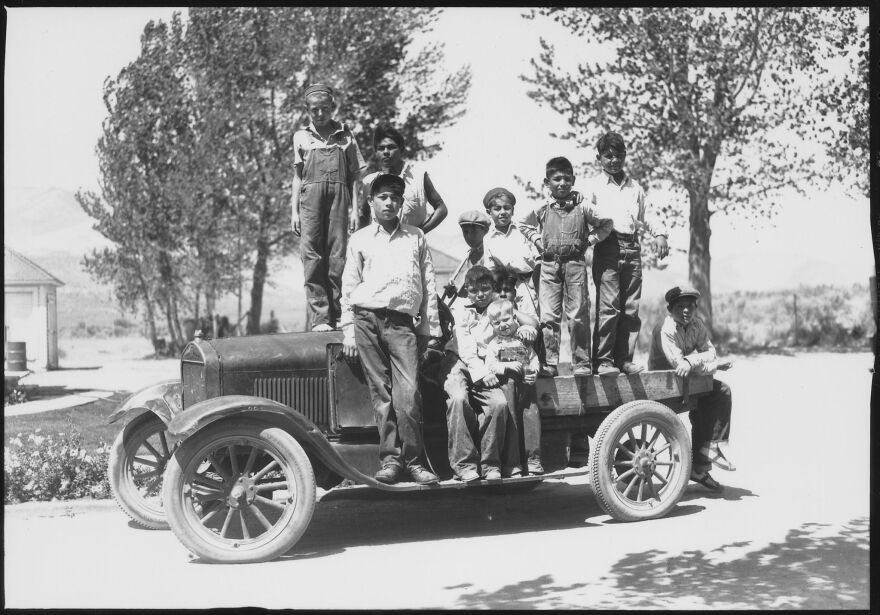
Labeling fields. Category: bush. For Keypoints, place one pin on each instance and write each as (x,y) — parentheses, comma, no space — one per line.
(14,394)
(48,467)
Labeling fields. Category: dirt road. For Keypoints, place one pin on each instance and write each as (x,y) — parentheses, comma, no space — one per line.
(789,531)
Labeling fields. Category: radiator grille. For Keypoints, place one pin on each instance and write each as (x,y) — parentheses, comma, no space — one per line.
(308,395)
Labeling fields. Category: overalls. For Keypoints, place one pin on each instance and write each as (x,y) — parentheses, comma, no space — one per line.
(325,199)
(563,284)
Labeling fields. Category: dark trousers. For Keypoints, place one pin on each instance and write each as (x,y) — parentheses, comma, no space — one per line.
(564,288)
(617,274)
(710,420)
(325,198)
(386,343)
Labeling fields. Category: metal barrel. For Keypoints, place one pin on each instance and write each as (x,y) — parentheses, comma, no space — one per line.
(16,356)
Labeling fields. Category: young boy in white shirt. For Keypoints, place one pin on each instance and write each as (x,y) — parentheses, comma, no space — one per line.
(388,298)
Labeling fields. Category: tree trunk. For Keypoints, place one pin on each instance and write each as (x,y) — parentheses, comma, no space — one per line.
(699,257)
(151,313)
(259,280)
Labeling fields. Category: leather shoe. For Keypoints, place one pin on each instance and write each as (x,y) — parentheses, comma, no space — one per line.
(422,475)
(467,476)
(548,371)
(535,467)
(492,474)
(607,368)
(389,474)
(632,368)
(707,481)
(582,370)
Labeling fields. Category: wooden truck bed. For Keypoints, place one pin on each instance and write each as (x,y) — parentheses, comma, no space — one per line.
(576,396)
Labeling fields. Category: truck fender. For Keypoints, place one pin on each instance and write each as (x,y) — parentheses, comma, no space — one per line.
(162,399)
(205,412)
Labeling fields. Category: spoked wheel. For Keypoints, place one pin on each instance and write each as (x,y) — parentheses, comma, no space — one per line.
(640,463)
(137,461)
(239,492)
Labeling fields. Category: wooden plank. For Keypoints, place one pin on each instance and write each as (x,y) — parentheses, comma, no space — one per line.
(568,395)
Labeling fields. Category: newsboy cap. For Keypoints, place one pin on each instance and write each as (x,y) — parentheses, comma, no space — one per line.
(680,292)
(388,180)
(495,192)
(476,217)
(316,88)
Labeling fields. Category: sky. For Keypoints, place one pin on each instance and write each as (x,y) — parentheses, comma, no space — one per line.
(58,58)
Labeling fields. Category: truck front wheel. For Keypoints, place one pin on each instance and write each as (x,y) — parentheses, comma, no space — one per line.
(239,492)
(640,463)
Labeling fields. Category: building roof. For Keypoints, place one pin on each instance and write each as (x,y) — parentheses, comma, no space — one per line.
(443,263)
(18,269)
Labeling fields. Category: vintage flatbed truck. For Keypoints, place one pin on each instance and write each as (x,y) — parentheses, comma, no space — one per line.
(230,455)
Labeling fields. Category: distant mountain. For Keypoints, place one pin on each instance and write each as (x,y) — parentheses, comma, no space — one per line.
(48,226)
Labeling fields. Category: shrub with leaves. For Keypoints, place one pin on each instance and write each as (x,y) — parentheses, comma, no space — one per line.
(15,394)
(44,467)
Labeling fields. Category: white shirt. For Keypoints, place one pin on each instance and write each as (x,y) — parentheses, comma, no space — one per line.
(626,204)
(511,248)
(392,271)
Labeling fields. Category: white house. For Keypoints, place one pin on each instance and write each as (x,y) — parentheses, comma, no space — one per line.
(29,309)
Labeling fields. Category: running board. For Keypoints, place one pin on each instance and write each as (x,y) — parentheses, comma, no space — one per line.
(451,483)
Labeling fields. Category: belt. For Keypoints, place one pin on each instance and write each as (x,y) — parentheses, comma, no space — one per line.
(383,312)
(625,236)
(555,258)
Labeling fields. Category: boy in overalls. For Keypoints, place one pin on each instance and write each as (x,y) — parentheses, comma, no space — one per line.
(562,228)
(327,163)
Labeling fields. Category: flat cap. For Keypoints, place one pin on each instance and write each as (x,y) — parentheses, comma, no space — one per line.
(494,192)
(387,180)
(316,88)
(474,216)
(680,292)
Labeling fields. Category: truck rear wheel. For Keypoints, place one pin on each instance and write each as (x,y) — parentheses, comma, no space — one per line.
(239,492)
(640,462)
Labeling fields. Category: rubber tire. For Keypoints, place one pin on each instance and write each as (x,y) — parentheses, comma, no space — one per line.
(194,536)
(610,431)
(128,498)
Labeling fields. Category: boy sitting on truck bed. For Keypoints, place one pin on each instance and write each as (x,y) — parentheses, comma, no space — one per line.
(681,342)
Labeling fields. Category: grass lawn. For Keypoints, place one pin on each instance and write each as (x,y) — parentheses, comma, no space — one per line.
(89,419)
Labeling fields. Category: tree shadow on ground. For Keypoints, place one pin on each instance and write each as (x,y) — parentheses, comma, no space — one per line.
(364,517)
(810,569)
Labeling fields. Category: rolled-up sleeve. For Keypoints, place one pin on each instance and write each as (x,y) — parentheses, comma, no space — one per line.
(429,318)
(352,276)
(528,226)
(467,348)
(670,347)
(703,358)
(650,216)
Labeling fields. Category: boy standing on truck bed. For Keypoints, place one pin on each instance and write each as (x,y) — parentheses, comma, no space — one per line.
(617,261)
(562,228)
(388,298)
(327,162)
(388,145)
(681,342)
